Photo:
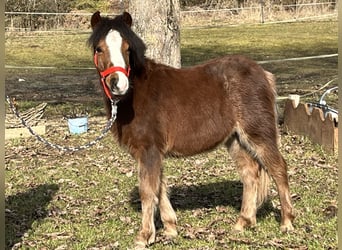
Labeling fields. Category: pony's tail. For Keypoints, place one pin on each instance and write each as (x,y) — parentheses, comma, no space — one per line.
(272,82)
(263,187)
(264,178)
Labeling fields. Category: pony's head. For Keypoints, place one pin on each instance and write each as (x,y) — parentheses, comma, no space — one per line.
(118,52)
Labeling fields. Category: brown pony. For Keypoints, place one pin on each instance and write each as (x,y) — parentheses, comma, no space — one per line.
(164,111)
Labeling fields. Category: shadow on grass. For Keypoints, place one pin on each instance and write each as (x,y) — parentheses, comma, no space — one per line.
(23,209)
(209,195)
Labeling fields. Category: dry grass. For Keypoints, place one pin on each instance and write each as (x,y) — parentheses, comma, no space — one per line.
(89,200)
(253,14)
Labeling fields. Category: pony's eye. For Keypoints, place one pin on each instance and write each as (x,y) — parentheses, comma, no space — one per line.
(98,50)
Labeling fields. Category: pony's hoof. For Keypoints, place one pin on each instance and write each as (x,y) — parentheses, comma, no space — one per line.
(170,233)
(151,240)
(142,241)
(237,229)
(286,228)
(139,245)
(242,223)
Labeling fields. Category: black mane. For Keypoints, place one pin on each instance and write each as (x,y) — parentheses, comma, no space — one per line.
(136,45)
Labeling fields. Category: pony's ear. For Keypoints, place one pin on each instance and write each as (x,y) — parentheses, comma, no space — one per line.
(127,18)
(95,19)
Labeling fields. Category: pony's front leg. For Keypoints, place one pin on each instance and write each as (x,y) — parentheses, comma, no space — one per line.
(167,213)
(149,166)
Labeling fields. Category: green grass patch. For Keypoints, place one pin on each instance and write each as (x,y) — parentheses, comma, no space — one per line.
(90,199)
(62,50)
(260,42)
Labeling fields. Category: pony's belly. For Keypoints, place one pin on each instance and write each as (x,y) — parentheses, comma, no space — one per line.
(195,143)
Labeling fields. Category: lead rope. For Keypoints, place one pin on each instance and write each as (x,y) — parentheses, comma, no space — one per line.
(110,123)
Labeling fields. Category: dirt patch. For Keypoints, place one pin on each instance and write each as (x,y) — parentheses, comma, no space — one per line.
(51,87)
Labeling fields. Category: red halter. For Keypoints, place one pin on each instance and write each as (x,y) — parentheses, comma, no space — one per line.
(107,72)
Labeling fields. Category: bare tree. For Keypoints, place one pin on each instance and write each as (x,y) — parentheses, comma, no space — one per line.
(157,23)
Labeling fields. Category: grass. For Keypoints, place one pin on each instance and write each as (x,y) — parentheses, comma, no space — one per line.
(63,50)
(89,200)
(260,42)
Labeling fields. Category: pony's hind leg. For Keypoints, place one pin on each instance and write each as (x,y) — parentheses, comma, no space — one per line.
(150,175)
(265,151)
(255,186)
(277,168)
(167,214)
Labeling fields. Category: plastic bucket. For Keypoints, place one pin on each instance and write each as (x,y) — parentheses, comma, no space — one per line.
(78,125)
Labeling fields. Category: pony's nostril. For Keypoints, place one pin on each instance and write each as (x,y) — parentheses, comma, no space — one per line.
(113,83)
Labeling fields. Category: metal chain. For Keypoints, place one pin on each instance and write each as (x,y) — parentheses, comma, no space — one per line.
(110,123)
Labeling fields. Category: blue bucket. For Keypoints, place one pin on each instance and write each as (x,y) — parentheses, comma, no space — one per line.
(78,125)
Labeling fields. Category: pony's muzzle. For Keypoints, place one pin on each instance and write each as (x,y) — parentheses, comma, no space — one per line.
(118,83)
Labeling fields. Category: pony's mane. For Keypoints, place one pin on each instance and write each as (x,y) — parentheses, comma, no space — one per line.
(136,45)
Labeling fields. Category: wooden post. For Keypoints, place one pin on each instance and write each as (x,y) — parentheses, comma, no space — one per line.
(262,11)
(300,120)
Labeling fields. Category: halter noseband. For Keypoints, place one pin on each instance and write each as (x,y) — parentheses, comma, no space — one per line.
(107,72)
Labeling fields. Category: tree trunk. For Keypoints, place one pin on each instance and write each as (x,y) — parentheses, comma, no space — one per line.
(157,23)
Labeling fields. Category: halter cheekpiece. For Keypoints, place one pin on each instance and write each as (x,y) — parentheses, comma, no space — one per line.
(107,72)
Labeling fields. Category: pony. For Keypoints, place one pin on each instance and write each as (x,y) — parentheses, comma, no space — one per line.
(164,111)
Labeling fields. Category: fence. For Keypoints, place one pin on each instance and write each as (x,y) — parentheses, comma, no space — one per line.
(261,13)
